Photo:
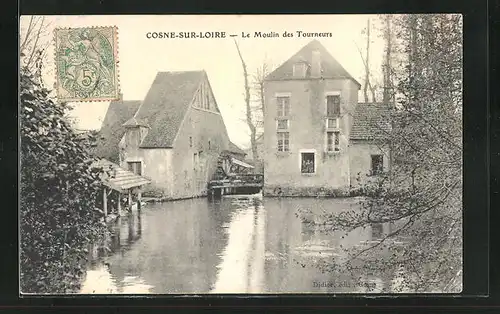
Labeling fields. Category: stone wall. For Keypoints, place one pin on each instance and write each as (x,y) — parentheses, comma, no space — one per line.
(295,190)
(307,129)
(360,160)
(202,133)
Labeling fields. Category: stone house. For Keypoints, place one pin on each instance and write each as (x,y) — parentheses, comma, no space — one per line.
(173,137)
(112,128)
(317,138)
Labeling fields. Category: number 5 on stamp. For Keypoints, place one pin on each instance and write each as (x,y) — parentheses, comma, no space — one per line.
(86,64)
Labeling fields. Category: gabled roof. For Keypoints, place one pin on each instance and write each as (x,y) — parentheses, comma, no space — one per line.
(112,129)
(330,67)
(165,106)
(233,148)
(133,122)
(371,121)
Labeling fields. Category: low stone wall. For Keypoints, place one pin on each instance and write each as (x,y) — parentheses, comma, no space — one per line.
(154,194)
(292,191)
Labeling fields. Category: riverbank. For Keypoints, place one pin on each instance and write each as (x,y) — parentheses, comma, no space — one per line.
(195,246)
(276,192)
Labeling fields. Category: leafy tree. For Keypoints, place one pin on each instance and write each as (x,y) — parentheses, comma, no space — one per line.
(420,199)
(59,192)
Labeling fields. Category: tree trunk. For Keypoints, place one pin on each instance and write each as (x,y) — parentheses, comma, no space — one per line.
(250,122)
(388,87)
(367,67)
(369,84)
(413,70)
(387,70)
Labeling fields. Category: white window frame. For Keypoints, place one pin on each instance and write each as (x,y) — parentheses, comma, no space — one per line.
(315,161)
(337,123)
(278,134)
(289,95)
(287,125)
(332,93)
(127,160)
(334,146)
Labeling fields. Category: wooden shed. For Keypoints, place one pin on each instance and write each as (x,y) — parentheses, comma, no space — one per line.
(123,181)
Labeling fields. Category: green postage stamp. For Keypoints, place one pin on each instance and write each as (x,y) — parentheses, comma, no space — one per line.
(86,64)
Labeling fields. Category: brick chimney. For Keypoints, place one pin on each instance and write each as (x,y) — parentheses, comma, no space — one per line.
(316,64)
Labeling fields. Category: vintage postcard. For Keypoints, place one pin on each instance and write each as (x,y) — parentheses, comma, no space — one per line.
(254,154)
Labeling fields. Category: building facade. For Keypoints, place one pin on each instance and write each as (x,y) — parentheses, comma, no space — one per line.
(311,106)
(176,136)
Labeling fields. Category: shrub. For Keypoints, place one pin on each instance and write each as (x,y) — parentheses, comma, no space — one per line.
(59,188)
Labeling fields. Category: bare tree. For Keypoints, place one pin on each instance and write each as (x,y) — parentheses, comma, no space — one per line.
(33,44)
(249,118)
(366,63)
(388,87)
(388,93)
(258,82)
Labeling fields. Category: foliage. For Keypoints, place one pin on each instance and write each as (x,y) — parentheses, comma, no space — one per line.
(59,189)
(419,201)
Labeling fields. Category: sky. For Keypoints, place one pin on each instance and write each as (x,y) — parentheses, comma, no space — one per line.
(141,58)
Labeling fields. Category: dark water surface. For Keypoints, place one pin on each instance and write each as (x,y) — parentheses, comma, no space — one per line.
(252,245)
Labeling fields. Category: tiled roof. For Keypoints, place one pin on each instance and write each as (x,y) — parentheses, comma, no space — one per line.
(119,178)
(330,67)
(370,121)
(136,122)
(233,148)
(165,106)
(112,129)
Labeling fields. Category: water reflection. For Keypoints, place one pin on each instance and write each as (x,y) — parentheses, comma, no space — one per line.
(235,245)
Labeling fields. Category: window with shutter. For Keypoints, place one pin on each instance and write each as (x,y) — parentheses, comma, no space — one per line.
(333,105)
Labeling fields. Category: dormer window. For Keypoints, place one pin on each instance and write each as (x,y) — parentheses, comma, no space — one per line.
(299,69)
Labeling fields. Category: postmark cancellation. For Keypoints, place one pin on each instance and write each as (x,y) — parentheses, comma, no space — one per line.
(87,63)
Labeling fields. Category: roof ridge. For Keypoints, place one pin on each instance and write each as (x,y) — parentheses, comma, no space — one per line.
(331,67)
(166,104)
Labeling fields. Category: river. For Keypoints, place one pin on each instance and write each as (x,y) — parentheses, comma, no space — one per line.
(233,245)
